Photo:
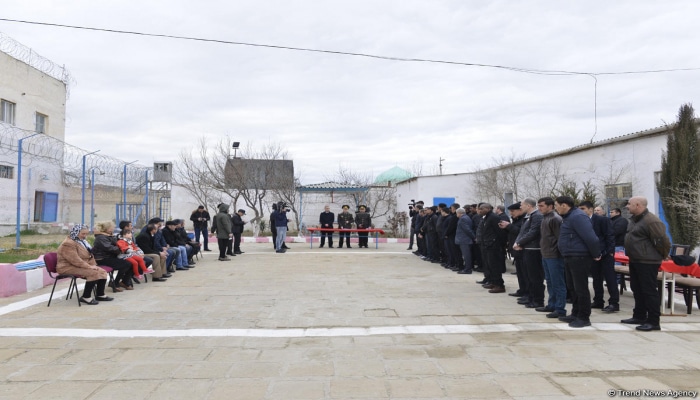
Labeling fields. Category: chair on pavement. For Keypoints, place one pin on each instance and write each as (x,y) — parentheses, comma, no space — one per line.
(51,259)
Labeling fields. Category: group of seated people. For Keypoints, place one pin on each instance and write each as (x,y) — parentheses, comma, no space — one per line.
(155,250)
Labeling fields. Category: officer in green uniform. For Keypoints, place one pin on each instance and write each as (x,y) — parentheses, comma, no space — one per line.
(345,221)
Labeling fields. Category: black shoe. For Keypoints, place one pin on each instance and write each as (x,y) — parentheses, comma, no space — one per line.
(555,314)
(92,302)
(524,301)
(104,298)
(410,248)
(238,252)
(648,327)
(206,250)
(182,268)
(284,246)
(282,250)
(634,321)
(349,247)
(534,305)
(598,305)
(167,275)
(159,279)
(544,309)
(567,319)
(611,308)
(482,282)
(464,271)
(515,294)
(340,247)
(330,247)
(191,262)
(230,254)
(190,266)
(580,323)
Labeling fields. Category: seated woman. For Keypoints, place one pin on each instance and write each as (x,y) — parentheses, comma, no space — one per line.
(105,250)
(75,258)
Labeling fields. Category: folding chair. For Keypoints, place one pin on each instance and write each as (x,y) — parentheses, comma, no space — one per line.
(51,259)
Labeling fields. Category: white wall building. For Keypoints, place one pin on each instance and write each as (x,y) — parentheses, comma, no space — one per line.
(32,100)
(617,168)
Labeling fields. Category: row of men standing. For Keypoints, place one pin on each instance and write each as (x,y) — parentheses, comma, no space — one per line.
(555,242)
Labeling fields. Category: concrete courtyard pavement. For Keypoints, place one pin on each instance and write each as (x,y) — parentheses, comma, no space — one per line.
(330,324)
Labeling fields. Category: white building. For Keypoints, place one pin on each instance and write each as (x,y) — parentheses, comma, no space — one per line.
(33,94)
(615,169)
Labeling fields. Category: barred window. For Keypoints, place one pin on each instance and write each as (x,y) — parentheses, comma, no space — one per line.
(7,172)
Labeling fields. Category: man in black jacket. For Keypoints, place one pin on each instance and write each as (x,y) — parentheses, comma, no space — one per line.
(493,245)
(619,228)
(579,246)
(325,221)
(513,228)
(200,219)
(237,228)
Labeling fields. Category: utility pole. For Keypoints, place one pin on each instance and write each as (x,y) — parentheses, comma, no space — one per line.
(441,160)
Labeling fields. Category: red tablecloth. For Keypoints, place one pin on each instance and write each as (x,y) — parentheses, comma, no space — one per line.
(666,265)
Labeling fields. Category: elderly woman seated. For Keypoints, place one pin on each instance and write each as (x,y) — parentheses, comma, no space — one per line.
(75,258)
(105,250)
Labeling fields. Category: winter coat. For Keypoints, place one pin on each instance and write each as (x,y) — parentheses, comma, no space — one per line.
(619,229)
(326,220)
(529,236)
(105,246)
(464,233)
(76,259)
(576,236)
(549,235)
(237,223)
(602,226)
(646,241)
(196,215)
(222,223)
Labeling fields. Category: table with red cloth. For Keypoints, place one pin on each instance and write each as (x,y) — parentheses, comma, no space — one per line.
(667,267)
(319,230)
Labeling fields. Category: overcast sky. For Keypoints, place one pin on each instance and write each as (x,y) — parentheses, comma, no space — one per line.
(148,98)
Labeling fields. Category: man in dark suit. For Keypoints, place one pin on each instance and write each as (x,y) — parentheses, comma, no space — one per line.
(603,269)
(237,227)
(325,221)
(493,245)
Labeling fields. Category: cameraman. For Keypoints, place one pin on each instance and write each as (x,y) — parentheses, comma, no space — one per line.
(413,210)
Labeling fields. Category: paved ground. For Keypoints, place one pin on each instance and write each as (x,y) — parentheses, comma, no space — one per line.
(329,324)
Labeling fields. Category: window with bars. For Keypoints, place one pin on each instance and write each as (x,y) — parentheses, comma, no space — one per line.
(7,112)
(7,172)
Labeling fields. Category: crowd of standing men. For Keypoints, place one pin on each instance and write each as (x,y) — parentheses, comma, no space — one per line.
(556,245)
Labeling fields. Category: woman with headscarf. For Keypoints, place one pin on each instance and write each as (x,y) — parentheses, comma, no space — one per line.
(75,258)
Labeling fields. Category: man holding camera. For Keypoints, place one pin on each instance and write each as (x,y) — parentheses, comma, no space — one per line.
(413,211)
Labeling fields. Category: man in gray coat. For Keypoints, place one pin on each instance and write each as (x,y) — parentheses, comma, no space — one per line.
(221,224)
(464,238)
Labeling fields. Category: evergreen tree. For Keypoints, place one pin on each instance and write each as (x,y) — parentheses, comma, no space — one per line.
(680,169)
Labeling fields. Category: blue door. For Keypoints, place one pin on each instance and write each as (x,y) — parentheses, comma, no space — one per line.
(49,211)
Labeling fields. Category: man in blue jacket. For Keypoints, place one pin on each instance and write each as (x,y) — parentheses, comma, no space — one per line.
(579,246)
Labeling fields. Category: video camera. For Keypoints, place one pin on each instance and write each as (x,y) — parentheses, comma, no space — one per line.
(411,204)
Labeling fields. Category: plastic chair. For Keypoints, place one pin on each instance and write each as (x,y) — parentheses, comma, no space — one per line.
(51,259)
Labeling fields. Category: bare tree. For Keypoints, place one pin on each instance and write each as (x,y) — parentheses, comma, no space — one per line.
(204,174)
(504,175)
(200,172)
(542,178)
(380,199)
